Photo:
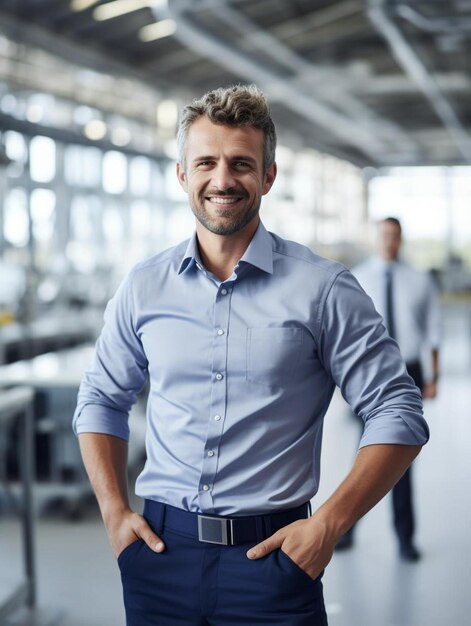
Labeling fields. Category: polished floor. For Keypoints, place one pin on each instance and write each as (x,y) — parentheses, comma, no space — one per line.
(366,586)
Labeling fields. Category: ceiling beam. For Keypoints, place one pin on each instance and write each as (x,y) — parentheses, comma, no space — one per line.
(408,59)
(203,42)
(22,32)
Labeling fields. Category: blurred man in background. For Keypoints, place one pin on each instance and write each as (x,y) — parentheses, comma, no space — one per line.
(407,300)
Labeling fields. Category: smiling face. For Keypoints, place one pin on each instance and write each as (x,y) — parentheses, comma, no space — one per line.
(224,175)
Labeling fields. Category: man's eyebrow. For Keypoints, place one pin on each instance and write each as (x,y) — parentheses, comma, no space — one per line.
(237,157)
(243,157)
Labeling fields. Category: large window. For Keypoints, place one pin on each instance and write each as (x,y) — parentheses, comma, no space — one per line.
(140,176)
(16,218)
(82,166)
(93,212)
(317,200)
(433,206)
(17,151)
(115,172)
(43,213)
(42,159)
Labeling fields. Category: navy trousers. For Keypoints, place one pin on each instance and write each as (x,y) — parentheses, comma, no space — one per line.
(193,583)
(403,507)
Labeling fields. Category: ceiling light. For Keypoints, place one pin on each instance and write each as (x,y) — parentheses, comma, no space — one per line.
(158,30)
(82,5)
(95,130)
(34,113)
(120,136)
(120,7)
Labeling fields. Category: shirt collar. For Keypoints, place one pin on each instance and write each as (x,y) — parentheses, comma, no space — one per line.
(382,264)
(191,256)
(259,252)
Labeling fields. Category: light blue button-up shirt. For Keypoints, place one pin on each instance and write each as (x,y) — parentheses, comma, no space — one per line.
(416,306)
(241,374)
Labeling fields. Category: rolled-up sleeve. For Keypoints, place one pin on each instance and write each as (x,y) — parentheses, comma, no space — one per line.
(117,374)
(368,368)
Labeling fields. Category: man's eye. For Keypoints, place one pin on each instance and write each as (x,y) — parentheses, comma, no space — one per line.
(241,164)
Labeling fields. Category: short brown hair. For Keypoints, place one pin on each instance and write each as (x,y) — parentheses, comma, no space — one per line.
(392,220)
(239,106)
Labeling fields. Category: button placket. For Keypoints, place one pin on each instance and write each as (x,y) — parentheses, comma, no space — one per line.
(218,403)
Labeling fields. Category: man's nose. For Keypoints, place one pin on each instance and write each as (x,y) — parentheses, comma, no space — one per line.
(223,177)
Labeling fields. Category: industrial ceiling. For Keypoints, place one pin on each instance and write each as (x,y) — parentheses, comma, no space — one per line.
(377,82)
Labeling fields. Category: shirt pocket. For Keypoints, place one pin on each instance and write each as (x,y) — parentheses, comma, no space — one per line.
(273,355)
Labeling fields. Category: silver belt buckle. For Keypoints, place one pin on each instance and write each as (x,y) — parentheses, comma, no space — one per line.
(215,530)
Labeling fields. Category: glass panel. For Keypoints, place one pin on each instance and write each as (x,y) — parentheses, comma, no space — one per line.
(16,220)
(421,197)
(140,220)
(91,166)
(85,248)
(72,165)
(157,180)
(139,175)
(42,157)
(180,224)
(173,190)
(82,226)
(114,172)
(113,225)
(43,202)
(15,146)
(82,166)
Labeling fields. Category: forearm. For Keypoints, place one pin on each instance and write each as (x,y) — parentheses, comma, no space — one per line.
(105,459)
(376,470)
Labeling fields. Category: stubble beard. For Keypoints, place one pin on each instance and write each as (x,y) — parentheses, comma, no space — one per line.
(233,220)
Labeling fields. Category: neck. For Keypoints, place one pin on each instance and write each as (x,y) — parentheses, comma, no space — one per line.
(221,253)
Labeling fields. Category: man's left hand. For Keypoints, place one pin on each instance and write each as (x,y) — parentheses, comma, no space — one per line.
(307,542)
(429,391)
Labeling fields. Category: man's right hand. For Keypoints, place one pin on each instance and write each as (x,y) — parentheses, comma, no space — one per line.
(129,527)
(105,459)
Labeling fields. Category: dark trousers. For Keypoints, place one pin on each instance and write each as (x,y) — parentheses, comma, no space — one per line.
(403,507)
(201,584)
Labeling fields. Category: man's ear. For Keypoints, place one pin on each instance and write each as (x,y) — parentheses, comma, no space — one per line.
(181,175)
(269,178)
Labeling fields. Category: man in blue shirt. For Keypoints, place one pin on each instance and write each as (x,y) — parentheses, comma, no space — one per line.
(243,337)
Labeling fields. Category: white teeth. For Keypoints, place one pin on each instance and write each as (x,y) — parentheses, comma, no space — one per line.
(230,200)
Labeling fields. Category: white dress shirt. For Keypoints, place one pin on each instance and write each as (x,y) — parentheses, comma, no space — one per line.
(416,308)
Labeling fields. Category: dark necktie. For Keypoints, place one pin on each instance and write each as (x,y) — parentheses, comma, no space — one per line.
(389,317)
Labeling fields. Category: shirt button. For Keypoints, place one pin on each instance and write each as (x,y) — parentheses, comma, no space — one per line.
(220,331)
(219,376)
(210,452)
(217,418)
(224,292)
(205,487)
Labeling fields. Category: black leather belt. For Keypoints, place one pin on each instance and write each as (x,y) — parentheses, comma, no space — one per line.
(225,531)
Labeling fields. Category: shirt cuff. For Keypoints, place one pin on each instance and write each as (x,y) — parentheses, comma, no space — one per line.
(95,418)
(398,430)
